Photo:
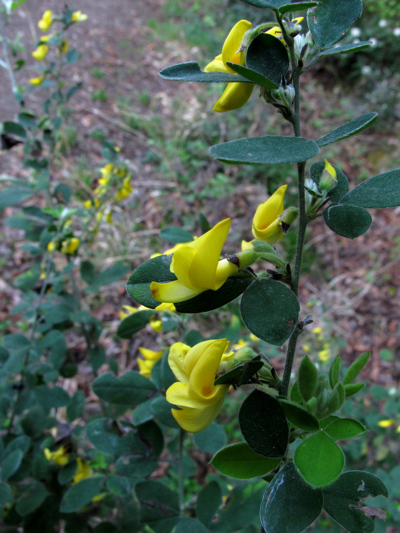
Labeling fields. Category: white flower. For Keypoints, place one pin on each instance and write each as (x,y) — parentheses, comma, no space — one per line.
(382,23)
(396,32)
(355,32)
(356,41)
(374,41)
(366,70)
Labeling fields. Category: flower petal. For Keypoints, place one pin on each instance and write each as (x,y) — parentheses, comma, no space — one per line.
(216,65)
(178,394)
(234,97)
(233,43)
(271,234)
(195,420)
(267,212)
(172,292)
(202,363)
(181,263)
(224,269)
(176,361)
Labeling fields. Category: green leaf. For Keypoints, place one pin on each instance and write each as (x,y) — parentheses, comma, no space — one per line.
(159,506)
(106,437)
(289,505)
(344,429)
(120,486)
(27,119)
(295,395)
(10,197)
(242,508)
(254,77)
(208,501)
(161,374)
(334,372)
(241,462)
(97,357)
(299,416)
(134,323)
(63,193)
(81,494)
(297,6)
(162,410)
(190,71)
(211,439)
(353,388)
(271,4)
(76,406)
(269,150)
(344,501)
(67,472)
(130,389)
(157,269)
(270,310)
(347,130)
(241,374)
(108,276)
(137,466)
(319,460)
(346,48)
(175,235)
(50,398)
(36,494)
(11,464)
(87,271)
(348,221)
(267,56)
(380,191)
(263,424)
(356,367)
(142,413)
(329,21)
(13,128)
(5,494)
(342,186)
(186,524)
(308,378)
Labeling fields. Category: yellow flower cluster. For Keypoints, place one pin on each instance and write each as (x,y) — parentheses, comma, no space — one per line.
(324,353)
(68,246)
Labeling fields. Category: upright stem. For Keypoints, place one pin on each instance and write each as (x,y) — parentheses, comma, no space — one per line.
(180,471)
(6,55)
(303,219)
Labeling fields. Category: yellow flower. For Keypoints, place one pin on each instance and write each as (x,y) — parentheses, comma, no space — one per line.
(64,47)
(46,20)
(109,217)
(240,344)
(194,393)
(70,246)
(306,348)
(78,16)
(41,52)
(197,267)
(146,364)
(125,191)
(277,32)
(323,355)
(317,330)
(386,423)
(156,325)
(51,246)
(235,94)
(254,338)
(106,172)
(328,179)
(267,224)
(83,471)
(166,307)
(60,456)
(37,81)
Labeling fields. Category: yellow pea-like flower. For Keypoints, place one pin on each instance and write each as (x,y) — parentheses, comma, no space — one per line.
(78,16)
(386,423)
(41,52)
(46,21)
(197,267)
(149,360)
(235,94)
(267,225)
(60,456)
(37,81)
(70,246)
(198,399)
(83,471)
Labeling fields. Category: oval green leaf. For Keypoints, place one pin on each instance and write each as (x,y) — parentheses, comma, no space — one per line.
(330,19)
(133,323)
(33,497)
(191,71)
(380,191)
(208,501)
(81,494)
(344,500)
(297,6)
(211,439)
(157,269)
(308,378)
(356,367)
(298,416)
(271,4)
(319,460)
(130,389)
(348,221)
(347,130)
(267,56)
(5,494)
(254,77)
(346,48)
(11,463)
(175,235)
(289,505)
(241,462)
(269,150)
(159,505)
(270,310)
(263,425)
(345,428)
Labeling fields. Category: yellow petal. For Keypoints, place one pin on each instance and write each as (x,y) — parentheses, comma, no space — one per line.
(176,361)
(181,264)
(83,471)
(271,234)
(150,355)
(217,65)
(267,212)
(275,31)
(202,363)
(166,307)
(386,423)
(36,81)
(234,97)
(247,245)
(156,325)
(145,367)
(224,269)
(233,42)
(195,420)
(172,292)
(330,169)
(297,20)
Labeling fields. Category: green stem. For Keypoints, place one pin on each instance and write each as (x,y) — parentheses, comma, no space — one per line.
(180,471)
(291,351)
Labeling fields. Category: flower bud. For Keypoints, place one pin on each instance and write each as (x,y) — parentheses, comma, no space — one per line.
(285,94)
(288,217)
(328,179)
(244,259)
